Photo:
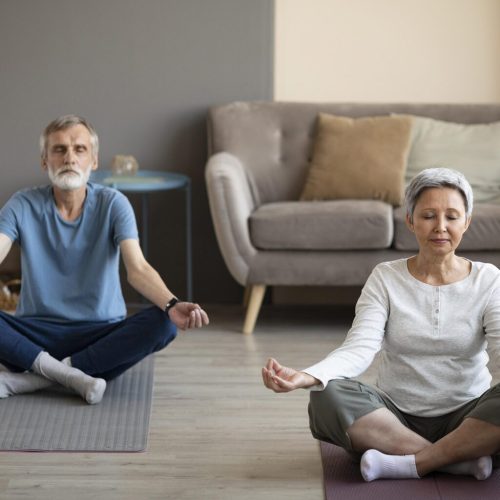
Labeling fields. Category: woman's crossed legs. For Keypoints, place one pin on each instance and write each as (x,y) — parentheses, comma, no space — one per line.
(390,443)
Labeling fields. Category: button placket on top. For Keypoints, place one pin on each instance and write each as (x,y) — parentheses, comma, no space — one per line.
(436,308)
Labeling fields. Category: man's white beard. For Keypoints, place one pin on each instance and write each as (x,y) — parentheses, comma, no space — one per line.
(69,179)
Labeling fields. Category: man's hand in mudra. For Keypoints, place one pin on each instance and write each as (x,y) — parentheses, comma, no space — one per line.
(186,315)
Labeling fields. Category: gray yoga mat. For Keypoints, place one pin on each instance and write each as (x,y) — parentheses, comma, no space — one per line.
(343,481)
(58,420)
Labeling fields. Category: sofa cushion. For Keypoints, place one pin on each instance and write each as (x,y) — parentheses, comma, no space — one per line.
(473,149)
(359,158)
(483,232)
(328,225)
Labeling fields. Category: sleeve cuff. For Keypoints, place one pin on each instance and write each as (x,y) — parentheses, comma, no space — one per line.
(321,386)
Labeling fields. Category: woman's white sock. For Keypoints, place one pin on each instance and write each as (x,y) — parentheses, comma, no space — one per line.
(377,465)
(480,468)
(89,388)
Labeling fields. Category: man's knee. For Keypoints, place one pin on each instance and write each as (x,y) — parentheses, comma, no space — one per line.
(159,330)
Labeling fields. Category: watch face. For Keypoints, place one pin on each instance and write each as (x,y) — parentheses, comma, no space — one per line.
(171,303)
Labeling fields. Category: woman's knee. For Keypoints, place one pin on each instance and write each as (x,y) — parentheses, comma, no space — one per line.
(326,412)
(330,399)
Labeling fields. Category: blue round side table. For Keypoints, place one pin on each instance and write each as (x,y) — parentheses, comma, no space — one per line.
(143,183)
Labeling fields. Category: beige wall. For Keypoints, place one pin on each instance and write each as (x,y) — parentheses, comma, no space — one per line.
(387,50)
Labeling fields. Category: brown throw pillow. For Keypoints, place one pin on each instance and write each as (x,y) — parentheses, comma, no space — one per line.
(359,158)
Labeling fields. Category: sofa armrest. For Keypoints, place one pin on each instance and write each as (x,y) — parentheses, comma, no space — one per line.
(231,203)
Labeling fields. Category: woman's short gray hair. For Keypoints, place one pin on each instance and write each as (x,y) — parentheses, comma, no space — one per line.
(64,122)
(437,178)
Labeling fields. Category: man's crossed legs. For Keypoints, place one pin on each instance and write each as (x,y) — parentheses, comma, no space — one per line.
(81,356)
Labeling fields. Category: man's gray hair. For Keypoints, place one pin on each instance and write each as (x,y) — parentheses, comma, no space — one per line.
(437,178)
(63,123)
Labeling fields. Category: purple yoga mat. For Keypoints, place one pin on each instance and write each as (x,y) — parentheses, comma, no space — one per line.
(343,481)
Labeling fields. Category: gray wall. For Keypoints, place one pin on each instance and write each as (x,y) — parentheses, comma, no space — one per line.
(144,73)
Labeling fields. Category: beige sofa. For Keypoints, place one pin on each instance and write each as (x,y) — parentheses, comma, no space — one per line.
(259,155)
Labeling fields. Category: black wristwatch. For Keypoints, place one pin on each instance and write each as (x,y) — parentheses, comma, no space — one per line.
(171,303)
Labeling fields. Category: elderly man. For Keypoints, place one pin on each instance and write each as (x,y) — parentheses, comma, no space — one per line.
(70,325)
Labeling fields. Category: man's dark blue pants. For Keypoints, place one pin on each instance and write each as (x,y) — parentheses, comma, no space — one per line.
(99,349)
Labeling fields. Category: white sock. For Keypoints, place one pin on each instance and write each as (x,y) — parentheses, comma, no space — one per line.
(376,465)
(480,468)
(20,383)
(89,388)
(12,383)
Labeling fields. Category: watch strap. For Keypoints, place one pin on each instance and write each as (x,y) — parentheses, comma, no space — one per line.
(171,303)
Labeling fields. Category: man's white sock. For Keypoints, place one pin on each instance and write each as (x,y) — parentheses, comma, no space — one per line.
(12,383)
(89,388)
(376,465)
(480,468)
(20,383)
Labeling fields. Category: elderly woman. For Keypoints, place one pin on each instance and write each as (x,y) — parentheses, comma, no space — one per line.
(431,317)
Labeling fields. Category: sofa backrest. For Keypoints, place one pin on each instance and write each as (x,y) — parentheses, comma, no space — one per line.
(274,139)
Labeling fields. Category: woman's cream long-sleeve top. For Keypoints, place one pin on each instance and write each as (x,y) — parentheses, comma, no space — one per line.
(432,339)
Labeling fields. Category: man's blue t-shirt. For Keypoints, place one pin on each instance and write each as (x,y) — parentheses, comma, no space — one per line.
(70,270)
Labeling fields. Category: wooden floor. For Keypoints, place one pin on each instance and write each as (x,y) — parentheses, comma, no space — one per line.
(216,432)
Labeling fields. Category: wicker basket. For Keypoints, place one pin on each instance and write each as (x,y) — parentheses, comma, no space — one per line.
(8,297)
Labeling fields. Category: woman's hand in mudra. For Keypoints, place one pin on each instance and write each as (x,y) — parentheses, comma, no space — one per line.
(280,378)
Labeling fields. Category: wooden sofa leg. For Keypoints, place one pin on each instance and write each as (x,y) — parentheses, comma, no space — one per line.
(256,296)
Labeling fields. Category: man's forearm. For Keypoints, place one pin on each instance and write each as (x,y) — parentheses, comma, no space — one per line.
(148,283)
